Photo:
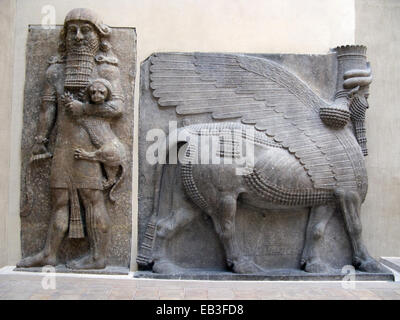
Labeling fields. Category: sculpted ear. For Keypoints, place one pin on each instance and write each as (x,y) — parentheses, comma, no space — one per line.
(104,30)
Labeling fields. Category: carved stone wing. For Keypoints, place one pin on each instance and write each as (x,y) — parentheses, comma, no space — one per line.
(258,92)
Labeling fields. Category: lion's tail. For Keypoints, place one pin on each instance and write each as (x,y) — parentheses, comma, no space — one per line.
(116,184)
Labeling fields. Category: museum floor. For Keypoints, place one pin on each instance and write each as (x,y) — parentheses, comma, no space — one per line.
(23,285)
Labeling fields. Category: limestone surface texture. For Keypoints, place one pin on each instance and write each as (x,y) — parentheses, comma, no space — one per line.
(286,26)
(40,177)
(209,201)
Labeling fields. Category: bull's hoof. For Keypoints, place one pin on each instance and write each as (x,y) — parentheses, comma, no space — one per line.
(167,267)
(246,266)
(317,266)
(371,265)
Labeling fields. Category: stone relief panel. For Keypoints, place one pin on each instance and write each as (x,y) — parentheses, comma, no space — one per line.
(76,177)
(253,163)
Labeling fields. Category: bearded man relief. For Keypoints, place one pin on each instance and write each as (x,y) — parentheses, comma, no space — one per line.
(81,96)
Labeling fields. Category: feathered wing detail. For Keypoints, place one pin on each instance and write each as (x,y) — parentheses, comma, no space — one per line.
(257,92)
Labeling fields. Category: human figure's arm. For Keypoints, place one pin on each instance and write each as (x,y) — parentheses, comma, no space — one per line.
(112,108)
(46,119)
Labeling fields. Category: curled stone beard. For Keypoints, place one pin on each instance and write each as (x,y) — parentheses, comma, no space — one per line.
(357,111)
(80,63)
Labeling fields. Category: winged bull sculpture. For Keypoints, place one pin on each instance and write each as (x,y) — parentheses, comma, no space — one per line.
(308,152)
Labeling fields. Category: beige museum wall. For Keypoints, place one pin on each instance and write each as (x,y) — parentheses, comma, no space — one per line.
(378,27)
(7,20)
(287,26)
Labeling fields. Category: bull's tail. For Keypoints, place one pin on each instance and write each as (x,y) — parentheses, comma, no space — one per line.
(145,255)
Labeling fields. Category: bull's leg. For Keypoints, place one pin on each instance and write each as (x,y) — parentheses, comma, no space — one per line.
(181,215)
(224,223)
(350,204)
(319,218)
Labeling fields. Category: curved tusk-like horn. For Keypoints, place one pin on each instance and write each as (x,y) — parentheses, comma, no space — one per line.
(357,81)
(358,72)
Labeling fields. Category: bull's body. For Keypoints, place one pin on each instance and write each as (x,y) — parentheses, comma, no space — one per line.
(276,181)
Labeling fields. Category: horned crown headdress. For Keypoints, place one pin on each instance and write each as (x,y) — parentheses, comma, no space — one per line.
(353,73)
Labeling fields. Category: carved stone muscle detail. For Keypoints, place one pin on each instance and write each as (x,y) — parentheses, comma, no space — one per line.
(289,197)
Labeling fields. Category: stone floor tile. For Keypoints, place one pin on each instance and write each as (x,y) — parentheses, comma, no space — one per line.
(30,287)
(377,285)
(69,297)
(195,294)
(122,294)
(328,293)
(220,294)
(386,294)
(147,293)
(365,294)
(18,295)
(316,293)
(103,292)
(245,294)
(269,294)
(171,294)
(206,284)
(158,283)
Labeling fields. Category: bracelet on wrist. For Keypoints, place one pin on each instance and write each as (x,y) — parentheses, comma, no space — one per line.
(40,139)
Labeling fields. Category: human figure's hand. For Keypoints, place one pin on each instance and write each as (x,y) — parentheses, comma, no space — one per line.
(67,97)
(39,148)
(74,108)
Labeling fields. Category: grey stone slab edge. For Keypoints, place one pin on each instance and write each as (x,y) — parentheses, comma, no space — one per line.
(391,264)
(290,275)
(111,270)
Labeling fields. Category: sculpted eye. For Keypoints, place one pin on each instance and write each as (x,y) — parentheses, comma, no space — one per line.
(86,29)
(72,29)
